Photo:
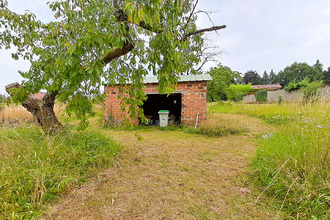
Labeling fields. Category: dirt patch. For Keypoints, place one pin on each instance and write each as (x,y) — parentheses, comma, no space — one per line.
(172,175)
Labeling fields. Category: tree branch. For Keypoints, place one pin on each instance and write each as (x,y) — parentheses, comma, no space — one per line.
(118,52)
(214,28)
(192,12)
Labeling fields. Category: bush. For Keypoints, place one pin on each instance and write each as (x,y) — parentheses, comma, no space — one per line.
(36,168)
(261,96)
(295,86)
(235,92)
(311,90)
(280,99)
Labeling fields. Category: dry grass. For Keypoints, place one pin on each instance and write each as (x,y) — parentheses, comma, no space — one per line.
(172,175)
(17,115)
(234,122)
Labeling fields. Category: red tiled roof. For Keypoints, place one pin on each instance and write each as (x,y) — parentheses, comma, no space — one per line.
(38,95)
(267,87)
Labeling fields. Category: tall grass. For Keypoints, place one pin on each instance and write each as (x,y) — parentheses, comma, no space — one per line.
(17,115)
(216,126)
(294,162)
(35,168)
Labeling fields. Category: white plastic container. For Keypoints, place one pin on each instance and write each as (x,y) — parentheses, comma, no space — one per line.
(163,117)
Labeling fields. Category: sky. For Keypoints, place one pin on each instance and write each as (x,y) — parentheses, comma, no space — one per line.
(261,35)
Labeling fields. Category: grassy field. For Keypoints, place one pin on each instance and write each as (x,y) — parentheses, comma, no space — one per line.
(174,174)
(36,168)
(246,162)
(292,163)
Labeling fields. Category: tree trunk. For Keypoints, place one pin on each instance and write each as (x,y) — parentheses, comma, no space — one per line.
(42,108)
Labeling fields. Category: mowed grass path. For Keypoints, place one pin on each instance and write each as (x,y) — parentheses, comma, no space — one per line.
(173,175)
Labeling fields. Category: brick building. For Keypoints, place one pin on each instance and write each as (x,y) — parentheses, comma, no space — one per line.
(184,104)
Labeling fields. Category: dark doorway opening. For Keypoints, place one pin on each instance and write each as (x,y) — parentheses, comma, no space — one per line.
(156,102)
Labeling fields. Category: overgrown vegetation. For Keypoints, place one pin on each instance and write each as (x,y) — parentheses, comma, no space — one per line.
(215,126)
(309,89)
(222,78)
(235,92)
(292,77)
(35,168)
(293,163)
(261,96)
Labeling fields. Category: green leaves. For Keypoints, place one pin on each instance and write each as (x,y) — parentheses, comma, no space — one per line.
(222,76)
(143,37)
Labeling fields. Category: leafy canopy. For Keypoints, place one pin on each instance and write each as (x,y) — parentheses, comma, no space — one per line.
(299,71)
(251,77)
(222,76)
(114,40)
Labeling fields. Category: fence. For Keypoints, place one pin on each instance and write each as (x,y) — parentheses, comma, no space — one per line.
(293,96)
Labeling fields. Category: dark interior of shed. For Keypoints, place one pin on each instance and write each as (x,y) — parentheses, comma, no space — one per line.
(156,102)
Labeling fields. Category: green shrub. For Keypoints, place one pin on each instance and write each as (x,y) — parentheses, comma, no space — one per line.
(311,90)
(235,92)
(295,86)
(280,99)
(261,96)
(35,169)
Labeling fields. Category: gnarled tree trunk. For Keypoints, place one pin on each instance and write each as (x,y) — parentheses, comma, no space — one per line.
(41,108)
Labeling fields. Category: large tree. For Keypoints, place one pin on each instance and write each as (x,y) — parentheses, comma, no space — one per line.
(272,77)
(265,78)
(115,40)
(299,71)
(326,76)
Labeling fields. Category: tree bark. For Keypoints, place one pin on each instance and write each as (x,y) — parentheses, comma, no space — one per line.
(42,109)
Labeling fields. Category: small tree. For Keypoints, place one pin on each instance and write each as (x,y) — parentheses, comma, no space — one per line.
(273,79)
(222,76)
(251,77)
(118,40)
(265,79)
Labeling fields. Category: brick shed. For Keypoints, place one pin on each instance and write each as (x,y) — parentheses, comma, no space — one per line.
(184,104)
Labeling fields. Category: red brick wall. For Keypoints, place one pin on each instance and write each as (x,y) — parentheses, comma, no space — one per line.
(193,101)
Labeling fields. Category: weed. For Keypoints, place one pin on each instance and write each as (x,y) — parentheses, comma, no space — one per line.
(293,163)
(261,96)
(215,126)
(35,168)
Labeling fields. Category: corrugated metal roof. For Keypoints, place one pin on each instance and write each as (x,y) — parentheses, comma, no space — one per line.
(183,78)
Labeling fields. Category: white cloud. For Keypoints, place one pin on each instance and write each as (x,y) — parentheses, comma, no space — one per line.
(260,34)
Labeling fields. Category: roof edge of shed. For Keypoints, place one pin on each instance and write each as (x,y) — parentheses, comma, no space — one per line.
(183,78)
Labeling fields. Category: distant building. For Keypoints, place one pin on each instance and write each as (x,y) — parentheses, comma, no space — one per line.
(38,95)
(267,87)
